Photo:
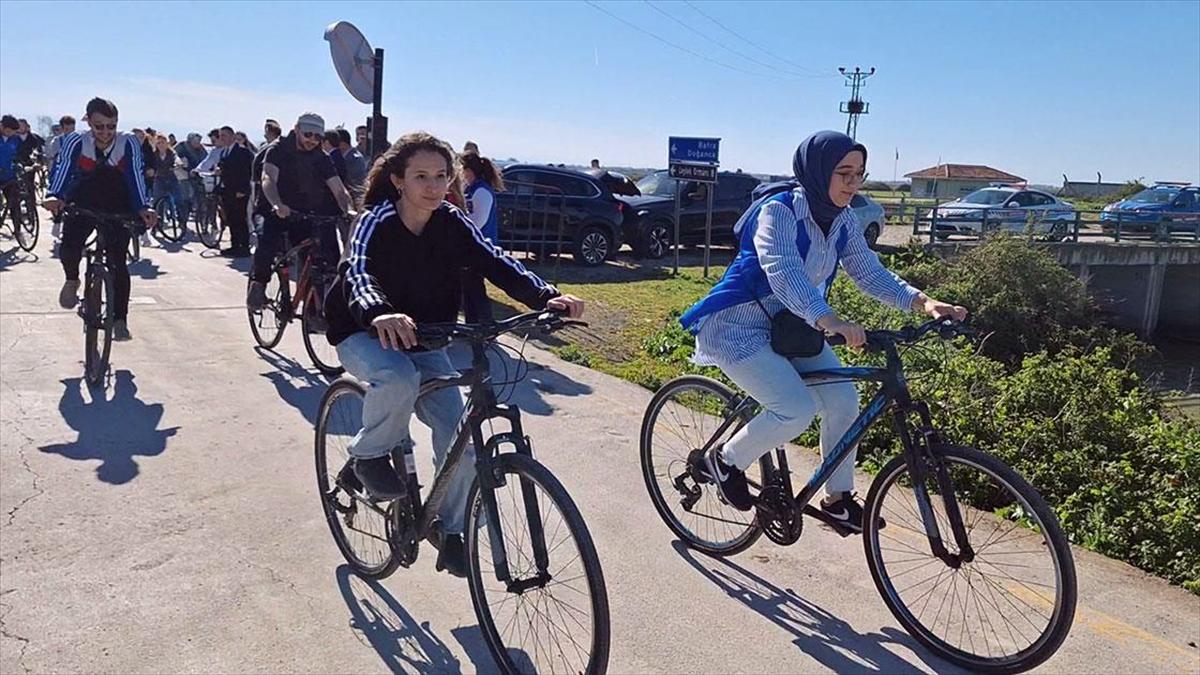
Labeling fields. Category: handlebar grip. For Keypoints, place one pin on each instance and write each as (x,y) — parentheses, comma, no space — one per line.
(835,340)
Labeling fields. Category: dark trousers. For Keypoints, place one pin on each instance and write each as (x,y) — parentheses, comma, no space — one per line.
(74,234)
(476,305)
(234,208)
(272,239)
(12,198)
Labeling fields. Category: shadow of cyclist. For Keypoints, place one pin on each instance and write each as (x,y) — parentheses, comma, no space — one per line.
(823,636)
(299,386)
(113,430)
(15,255)
(379,620)
(146,268)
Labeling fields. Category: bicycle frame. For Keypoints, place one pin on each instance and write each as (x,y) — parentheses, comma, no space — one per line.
(482,406)
(918,448)
(304,254)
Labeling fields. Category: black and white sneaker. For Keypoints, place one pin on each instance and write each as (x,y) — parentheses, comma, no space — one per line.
(847,511)
(730,481)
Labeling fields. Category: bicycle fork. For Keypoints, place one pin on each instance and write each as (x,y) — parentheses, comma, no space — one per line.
(920,457)
(489,480)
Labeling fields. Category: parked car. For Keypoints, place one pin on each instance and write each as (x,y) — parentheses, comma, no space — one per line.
(540,204)
(649,225)
(870,215)
(616,182)
(1178,206)
(1004,207)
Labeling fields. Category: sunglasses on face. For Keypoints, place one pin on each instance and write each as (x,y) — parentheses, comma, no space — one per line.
(104,127)
(312,136)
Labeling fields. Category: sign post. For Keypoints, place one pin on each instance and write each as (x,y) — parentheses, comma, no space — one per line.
(361,71)
(694,160)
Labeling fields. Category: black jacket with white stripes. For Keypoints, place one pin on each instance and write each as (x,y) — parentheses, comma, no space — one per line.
(392,270)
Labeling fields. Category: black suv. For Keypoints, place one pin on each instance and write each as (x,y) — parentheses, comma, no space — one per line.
(650,219)
(540,204)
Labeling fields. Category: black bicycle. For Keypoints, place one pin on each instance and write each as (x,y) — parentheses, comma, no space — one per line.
(207,208)
(315,273)
(534,576)
(969,559)
(22,212)
(170,227)
(97,308)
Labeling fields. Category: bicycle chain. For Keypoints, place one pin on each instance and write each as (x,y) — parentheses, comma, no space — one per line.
(777,515)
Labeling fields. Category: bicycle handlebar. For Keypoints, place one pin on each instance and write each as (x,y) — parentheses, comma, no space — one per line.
(129,221)
(945,327)
(437,335)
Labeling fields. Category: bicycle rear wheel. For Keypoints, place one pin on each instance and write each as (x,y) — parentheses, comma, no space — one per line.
(96,310)
(169,227)
(267,324)
(680,419)
(361,533)
(553,615)
(312,326)
(1005,610)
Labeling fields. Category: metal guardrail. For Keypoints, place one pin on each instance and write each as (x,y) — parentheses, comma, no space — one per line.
(528,213)
(929,224)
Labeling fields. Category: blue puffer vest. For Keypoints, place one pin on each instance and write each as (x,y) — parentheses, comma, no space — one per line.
(744,279)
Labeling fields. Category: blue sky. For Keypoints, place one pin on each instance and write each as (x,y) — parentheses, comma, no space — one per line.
(1036,89)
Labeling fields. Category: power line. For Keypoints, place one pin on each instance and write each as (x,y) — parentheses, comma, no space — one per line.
(679,47)
(722,45)
(748,41)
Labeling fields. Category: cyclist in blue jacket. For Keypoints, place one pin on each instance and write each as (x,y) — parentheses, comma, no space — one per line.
(791,243)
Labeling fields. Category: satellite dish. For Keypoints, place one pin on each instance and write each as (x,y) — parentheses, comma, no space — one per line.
(354,60)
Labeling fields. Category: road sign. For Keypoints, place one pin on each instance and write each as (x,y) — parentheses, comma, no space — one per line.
(354,60)
(701,173)
(693,150)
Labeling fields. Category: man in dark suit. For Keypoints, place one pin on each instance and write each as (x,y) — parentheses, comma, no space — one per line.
(235,193)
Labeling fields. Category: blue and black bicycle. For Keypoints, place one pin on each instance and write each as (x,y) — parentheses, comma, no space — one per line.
(971,560)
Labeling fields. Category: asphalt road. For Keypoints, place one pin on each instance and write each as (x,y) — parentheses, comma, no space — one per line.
(170,523)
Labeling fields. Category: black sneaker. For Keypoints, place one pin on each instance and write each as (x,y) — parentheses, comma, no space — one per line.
(452,556)
(378,477)
(256,296)
(346,478)
(730,481)
(847,511)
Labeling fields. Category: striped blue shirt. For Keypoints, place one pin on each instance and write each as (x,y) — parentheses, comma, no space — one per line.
(797,280)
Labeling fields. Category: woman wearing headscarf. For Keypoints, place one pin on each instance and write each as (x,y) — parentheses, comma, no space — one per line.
(790,244)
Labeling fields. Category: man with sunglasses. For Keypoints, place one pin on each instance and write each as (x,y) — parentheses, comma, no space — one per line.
(297,177)
(100,170)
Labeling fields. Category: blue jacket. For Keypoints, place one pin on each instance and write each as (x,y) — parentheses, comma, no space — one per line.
(8,153)
(744,280)
(77,158)
(491,228)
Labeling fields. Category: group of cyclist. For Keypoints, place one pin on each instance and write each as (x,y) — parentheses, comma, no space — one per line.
(419,251)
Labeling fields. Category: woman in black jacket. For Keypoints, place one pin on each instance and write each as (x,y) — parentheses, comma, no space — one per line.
(404,268)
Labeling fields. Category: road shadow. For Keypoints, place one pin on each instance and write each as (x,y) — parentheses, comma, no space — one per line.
(404,644)
(113,429)
(298,385)
(824,637)
(15,256)
(146,268)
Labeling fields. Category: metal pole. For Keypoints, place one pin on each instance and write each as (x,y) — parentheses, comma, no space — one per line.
(678,186)
(377,105)
(712,187)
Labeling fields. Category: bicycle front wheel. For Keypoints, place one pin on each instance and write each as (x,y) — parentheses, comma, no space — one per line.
(169,226)
(28,228)
(97,313)
(212,231)
(267,324)
(312,325)
(679,421)
(1004,610)
(551,614)
(361,532)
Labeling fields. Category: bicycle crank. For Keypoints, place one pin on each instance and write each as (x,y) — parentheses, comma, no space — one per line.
(777,515)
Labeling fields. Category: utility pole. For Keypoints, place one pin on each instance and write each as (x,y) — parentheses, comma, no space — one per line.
(855,106)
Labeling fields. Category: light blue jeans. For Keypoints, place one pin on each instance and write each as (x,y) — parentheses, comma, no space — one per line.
(789,406)
(393,379)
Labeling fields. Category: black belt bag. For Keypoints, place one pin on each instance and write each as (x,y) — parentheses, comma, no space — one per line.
(791,336)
